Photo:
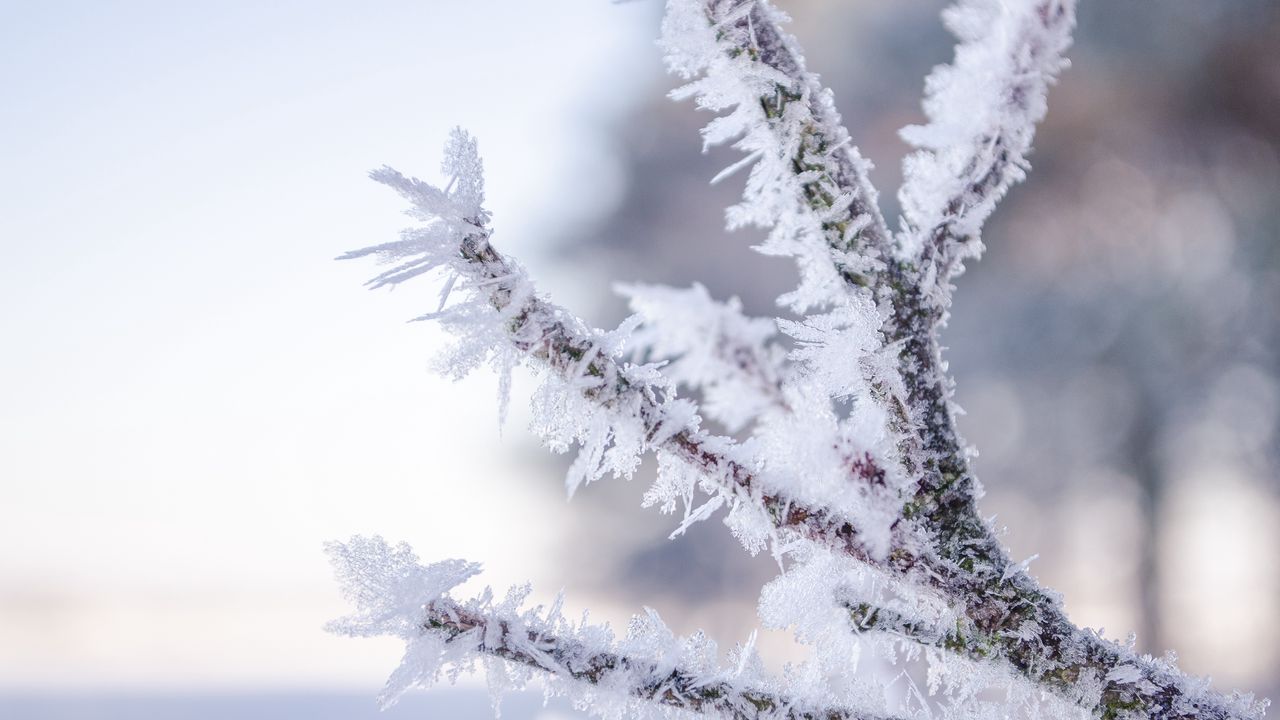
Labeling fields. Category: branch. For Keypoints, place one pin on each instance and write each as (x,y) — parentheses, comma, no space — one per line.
(809,183)
(786,123)
(981,126)
(970,567)
(982,110)
(395,595)
(967,161)
(655,681)
(625,410)
(1039,644)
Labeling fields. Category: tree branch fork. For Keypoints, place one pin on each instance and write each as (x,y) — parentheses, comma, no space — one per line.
(938,545)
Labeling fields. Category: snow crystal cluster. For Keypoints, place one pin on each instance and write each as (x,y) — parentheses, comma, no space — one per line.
(838,454)
(734,362)
(982,110)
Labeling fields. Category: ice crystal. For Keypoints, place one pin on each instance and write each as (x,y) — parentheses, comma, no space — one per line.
(844,461)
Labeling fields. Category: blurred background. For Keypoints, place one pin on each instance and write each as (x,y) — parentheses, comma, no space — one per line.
(194,397)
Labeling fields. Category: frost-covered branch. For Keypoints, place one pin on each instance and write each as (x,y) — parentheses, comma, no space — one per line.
(982,111)
(500,318)
(630,409)
(982,115)
(1006,624)
(649,673)
(808,183)
(1108,679)
(809,186)
(648,679)
(853,467)
(615,411)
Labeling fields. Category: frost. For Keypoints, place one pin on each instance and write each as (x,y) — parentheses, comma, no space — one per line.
(1021,567)
(778,115)
(588,399)
(388,586)
(710,347)
(391,592)
(982,110)
(465,171)
(844,460)
(610,442)
(832,346)
(817,457)
(515,644)
(1124,674)
(751,526)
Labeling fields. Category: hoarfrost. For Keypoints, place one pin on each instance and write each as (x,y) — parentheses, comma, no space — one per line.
(517,645)
(704,44)
(982,111)
(845,462)
(711,347)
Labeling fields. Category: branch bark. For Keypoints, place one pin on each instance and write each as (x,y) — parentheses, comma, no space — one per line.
(834,170)
(672,687)
(1044,648)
